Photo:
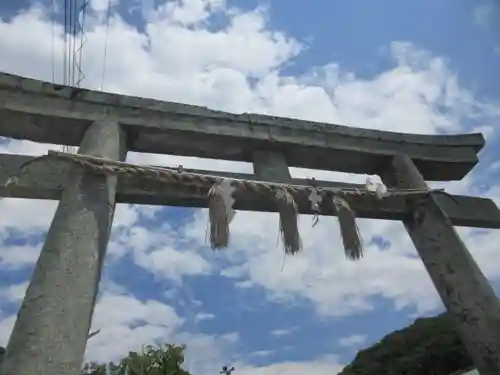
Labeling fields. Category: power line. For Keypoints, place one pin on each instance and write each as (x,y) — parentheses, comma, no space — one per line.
(83,40)
(65,53)
(74,29)
(53,16)
(65,148)
(71,39)
(108,16)
(73,23)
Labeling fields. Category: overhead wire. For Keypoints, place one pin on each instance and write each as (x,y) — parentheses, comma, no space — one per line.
(83,41)
(65,48)
(74,23)
(73,45)
(74,41)
(67,52)
(105,52)
(70,49)
(53,26)
(74,26)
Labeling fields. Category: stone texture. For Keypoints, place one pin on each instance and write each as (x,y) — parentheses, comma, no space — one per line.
(50,333)
(271,166)
(45,180)
(464,290)
(44,112)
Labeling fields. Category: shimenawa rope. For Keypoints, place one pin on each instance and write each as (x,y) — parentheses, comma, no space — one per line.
(220,198)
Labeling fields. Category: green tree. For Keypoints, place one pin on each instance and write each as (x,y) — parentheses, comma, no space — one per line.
(429,346)
(163,360)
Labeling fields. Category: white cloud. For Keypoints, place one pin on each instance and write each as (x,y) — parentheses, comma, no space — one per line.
(14,293)
(26,216)
(327,365)
(207,353)
(13,257)
(262,353)
(238,67)
(283,331)
(157,251)
(352,340)
(127,323)
(204,316)
(6,326)
(102,5)
(172,263)
(482,14)
(190,12)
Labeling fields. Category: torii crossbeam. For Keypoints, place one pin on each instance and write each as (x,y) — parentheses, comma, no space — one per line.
(51,331)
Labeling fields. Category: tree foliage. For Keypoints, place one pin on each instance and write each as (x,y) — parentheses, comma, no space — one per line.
(428,346)
(163,360)
(154,360)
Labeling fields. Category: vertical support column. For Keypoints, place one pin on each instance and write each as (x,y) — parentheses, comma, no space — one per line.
(50,333)
(464,290)
(271,166)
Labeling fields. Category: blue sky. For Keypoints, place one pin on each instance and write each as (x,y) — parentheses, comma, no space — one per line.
(414,66)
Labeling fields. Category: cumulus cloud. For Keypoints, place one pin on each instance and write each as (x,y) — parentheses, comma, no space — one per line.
(352,340)
(326,365)
(156,250)
(484,15)
(203,316)
(126,323)
(180,53)
(283,331)
(14,292)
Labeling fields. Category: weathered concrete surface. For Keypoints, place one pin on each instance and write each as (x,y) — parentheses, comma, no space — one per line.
(46,180)
(271,166)
(463,288)
(43,112)
(50,333)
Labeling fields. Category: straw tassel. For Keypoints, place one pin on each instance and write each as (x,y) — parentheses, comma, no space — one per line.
(353,244)
(289,230)
(220,210)
(315,198)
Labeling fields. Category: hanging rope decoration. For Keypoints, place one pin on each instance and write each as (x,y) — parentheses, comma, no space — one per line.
(349,231)
(220,213)
(221,198)
(289,226)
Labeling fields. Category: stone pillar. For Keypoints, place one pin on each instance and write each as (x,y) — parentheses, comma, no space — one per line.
(271,166)
(50,333)
(464,290)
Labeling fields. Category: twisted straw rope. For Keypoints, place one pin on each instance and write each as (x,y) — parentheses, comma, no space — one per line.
(170,175)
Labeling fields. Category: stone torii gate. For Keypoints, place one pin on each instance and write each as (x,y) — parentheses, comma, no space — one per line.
(50,333)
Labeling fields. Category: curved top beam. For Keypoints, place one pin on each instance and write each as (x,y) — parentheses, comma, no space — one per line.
(44,112)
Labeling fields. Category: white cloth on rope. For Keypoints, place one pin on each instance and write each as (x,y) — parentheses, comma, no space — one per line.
(315,199)
(379,188)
